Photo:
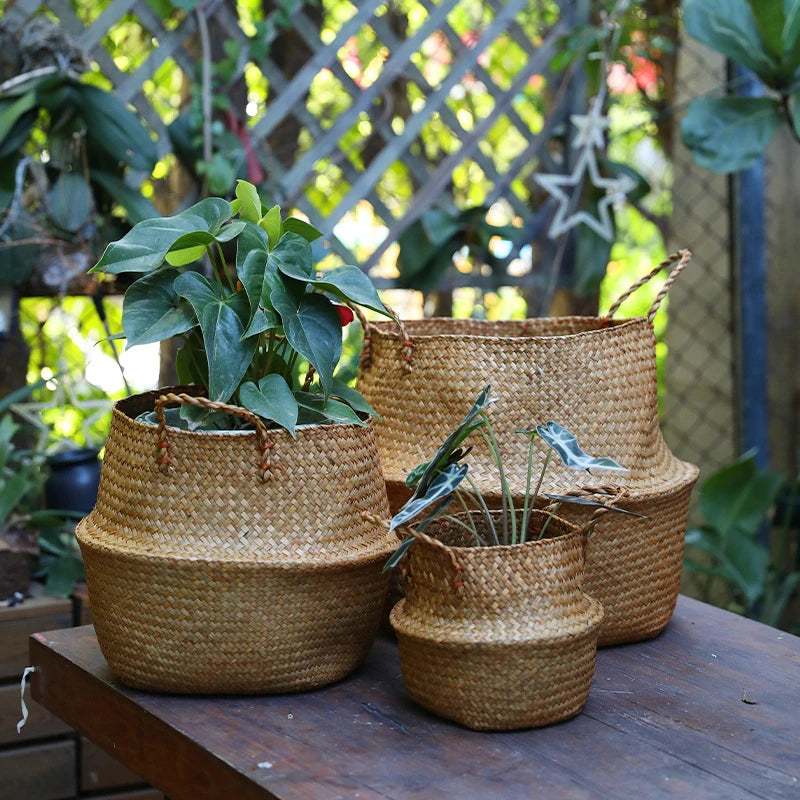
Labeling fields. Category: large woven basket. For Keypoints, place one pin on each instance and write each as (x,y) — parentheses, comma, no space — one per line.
(597,377)
(497,638)
(235,562)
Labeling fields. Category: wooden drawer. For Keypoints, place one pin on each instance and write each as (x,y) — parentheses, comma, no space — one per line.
(39,772)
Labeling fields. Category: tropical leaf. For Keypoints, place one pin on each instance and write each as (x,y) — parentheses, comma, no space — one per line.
(312,328)
(462,430)
(272,399)
(738,497)
(301,228)
(352,397)
(587,501)
(222,322)
(70,202)
(321,409)
(350,283)
(152,310)
(146,245)
(728,134)
(443,484)
(271,223)
(728,26)
(249,202)
(398,554)
(111,126)
(568,449)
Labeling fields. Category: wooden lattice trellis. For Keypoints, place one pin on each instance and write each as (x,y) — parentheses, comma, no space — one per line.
(299,144)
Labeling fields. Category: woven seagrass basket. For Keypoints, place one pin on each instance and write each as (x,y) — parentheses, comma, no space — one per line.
(501,637)
(241,562)
(595,376)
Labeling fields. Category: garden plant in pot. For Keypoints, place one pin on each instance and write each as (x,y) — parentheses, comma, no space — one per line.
(495,630)
(234,545)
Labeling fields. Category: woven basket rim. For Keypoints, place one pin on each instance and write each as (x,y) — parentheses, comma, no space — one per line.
(388,328)
(568,529)
(121,407)
(107,542)
(588,625)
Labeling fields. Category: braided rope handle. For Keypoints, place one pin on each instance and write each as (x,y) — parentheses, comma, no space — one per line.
(365,361)
(612,491)
(163,444)
(678,261)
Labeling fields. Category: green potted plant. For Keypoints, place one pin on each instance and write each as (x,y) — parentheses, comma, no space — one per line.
(233,546)
(495,630)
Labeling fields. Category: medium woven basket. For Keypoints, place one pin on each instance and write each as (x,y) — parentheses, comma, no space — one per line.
(240,562)
(595,376)
(497,638)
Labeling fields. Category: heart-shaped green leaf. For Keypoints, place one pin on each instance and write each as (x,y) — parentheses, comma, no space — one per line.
(352,397)
(259,280)
(316,408)
(312,327)
(348,283)
(222,322)
(272,399)
(292,256)
(153,311)
(146,245)
(568,449)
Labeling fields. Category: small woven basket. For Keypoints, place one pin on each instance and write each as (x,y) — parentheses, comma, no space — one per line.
(497,638)
(595,376)
(241,562)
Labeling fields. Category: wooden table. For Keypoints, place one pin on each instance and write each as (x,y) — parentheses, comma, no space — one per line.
(710,709)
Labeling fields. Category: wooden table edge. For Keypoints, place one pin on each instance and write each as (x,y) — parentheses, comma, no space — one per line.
(115,718)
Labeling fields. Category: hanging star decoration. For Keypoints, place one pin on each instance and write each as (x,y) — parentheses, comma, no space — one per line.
(588,140)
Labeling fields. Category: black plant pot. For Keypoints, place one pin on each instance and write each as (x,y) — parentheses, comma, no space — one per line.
(73,481)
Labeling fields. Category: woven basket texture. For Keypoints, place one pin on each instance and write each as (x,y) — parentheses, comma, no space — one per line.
(501,637)
(208,579)
(596,377)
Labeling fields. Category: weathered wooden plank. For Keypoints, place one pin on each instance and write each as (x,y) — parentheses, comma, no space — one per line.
(41,723)
(38,772)
(19,622)
(665,719)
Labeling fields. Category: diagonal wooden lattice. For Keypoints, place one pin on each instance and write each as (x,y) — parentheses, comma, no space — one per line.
(427,81)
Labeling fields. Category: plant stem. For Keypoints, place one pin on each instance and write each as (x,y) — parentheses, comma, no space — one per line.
(547,521)
(225,272)
(508,500)
(477,498)
(524,533)
(478,541)
(472,526)
(539,484)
